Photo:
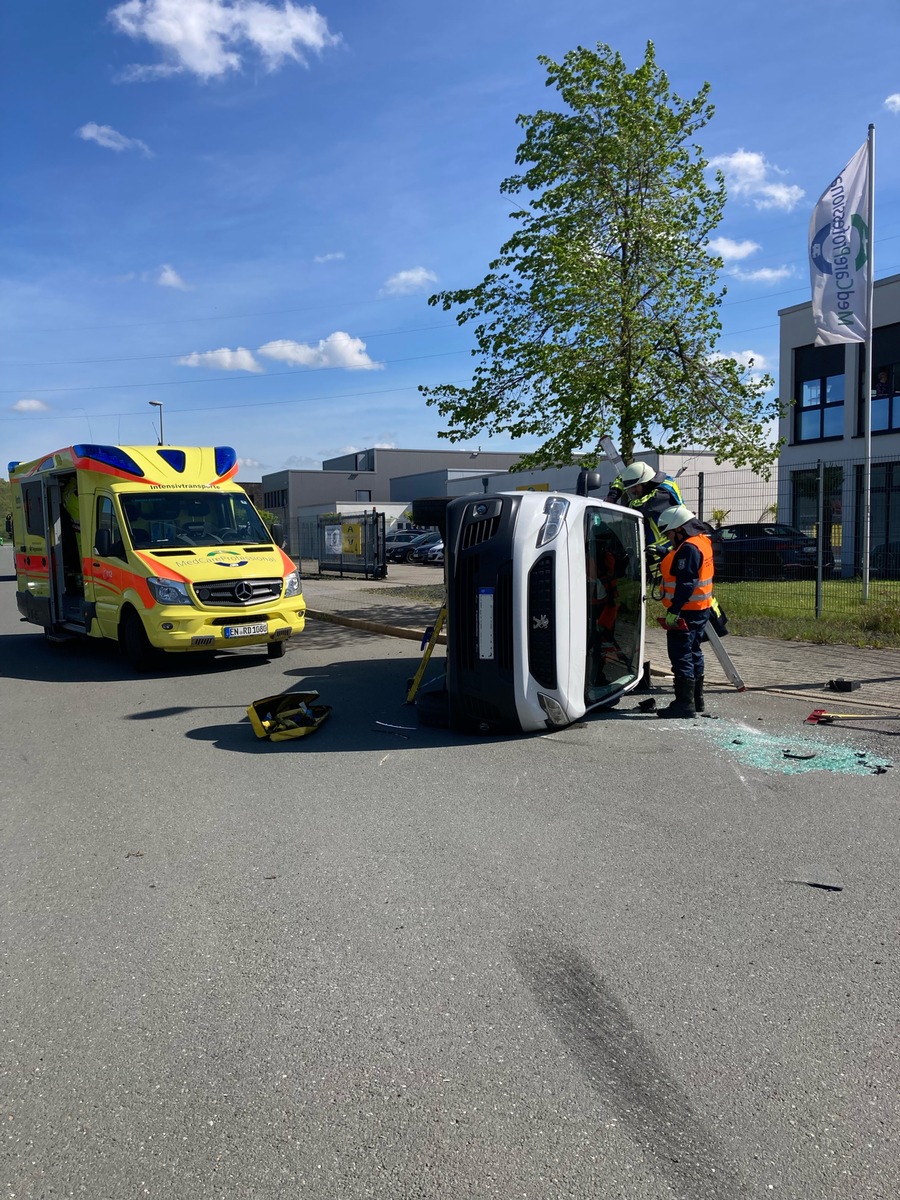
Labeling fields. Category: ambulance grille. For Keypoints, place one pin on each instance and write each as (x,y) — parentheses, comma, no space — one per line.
(238,593)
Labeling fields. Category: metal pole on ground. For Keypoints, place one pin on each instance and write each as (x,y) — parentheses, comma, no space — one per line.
(820,522)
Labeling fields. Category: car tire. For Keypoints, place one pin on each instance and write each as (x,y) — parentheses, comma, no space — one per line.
(135,644)
(276,649)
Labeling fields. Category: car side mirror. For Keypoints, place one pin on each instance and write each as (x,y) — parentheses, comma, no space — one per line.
(588,481)
(277,532)
(103,543)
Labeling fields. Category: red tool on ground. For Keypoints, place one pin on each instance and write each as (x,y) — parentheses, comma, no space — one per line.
(819,716)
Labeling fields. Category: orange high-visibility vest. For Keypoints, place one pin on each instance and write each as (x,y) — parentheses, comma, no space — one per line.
(701,597)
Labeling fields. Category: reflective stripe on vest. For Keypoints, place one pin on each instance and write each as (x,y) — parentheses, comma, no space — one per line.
(701,597)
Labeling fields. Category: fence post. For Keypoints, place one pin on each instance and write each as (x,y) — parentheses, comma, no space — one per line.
(700,495)
(820,522)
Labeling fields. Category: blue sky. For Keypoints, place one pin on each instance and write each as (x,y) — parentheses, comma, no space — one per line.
(238,208)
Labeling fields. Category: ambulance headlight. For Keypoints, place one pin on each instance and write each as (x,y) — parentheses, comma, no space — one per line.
(555,712)
(168,591)
(292,584)
(554,514)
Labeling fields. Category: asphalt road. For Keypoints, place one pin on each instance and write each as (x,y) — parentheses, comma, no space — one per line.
(394,963)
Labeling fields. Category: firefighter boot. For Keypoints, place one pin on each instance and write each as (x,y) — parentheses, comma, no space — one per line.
(683,704)
(699,704)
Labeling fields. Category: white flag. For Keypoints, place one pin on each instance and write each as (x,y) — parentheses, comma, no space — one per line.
(839,256)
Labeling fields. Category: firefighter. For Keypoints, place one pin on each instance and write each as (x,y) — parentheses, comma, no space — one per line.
(687,595)
(651,492)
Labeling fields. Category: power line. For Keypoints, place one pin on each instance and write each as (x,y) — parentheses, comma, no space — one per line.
(77,413)
(76,362)
(107,387)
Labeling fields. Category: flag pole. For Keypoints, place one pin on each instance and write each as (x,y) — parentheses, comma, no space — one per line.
(869,370)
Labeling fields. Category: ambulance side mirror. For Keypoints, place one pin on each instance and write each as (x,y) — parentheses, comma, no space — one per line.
(277,532)
(103,543)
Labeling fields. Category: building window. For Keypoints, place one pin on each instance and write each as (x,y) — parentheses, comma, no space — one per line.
(885,399)
(363,495)
(818,393)
(884,519)
(885,390)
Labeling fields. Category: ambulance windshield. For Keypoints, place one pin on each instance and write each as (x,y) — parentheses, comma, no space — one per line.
(613,549)
(161,520)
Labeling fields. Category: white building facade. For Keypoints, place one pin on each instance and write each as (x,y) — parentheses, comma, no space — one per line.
(824,431)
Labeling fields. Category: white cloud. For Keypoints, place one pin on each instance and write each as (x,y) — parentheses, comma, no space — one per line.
(416,279)
(748,174)
(892,103)
(745,358)
(223,360)
(764,274)
(731,251)
(169,277)
(248,462)
(30,406)
(209,37)
(339,349)
(323,258)
(105,135)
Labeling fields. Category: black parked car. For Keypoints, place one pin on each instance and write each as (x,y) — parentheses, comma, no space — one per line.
(412,551)
(766,551)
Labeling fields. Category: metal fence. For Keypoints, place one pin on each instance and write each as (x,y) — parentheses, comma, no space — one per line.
(352,543)
(758,521)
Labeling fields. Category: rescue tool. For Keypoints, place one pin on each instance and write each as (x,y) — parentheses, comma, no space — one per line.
(819,716)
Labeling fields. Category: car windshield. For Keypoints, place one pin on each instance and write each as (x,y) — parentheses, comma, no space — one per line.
(160,520)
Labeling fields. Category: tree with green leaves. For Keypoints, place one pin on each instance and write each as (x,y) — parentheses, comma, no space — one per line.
(600,315)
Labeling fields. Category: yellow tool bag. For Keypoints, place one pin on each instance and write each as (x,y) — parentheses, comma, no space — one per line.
(290,715)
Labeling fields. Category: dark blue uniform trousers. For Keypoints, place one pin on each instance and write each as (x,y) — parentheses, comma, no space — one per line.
(684,650)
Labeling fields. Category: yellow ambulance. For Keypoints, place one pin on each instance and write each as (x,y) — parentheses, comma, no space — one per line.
(154,547)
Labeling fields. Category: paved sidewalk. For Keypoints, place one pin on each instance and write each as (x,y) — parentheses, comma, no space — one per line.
(766,664)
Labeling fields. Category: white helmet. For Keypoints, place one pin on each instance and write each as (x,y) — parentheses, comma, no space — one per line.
(638,472)
(674,517)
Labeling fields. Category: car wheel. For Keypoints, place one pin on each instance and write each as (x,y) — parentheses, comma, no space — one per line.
(431,510)
(276,649)
(135,644)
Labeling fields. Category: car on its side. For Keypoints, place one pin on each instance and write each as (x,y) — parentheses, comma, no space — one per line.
(405,552)
(766,550)
(886,561)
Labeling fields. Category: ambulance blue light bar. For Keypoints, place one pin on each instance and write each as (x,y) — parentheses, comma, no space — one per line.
(225,459)
(110,456)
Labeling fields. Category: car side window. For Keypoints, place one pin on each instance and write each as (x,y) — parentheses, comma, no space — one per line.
(107,519)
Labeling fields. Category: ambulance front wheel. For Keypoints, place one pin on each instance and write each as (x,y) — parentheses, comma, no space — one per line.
(135,644)
(276,649)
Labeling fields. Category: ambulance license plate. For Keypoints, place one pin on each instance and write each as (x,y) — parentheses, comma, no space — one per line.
(233,631)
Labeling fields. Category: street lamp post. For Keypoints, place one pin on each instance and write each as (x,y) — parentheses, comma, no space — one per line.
(158,404)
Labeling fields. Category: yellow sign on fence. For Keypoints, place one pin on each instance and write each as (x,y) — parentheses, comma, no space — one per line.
(351,539)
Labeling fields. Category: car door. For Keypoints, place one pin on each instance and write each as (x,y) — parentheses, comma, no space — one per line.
(109,573)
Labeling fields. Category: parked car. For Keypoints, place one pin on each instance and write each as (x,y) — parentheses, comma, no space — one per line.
(435,555)
(766,550)
(886,561)
(412,551)
(401,537)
